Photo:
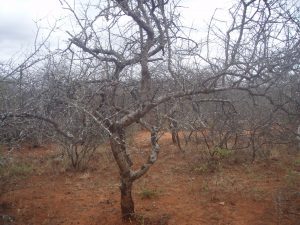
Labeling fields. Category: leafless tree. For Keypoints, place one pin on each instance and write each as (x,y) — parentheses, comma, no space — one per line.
(126,60)
(127,42)
(16,88)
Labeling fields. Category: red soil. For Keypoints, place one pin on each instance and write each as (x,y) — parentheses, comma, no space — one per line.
(237,194)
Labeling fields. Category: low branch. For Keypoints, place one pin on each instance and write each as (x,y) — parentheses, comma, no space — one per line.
(39,117)
(152,157)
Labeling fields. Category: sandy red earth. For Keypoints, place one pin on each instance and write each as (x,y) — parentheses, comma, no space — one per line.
(178,190)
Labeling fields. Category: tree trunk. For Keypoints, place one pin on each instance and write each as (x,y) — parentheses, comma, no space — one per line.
(174,136)
(127,175)
(124,162)
(127,205)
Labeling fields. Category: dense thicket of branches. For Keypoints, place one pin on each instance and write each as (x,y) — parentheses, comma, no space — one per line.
(131,62)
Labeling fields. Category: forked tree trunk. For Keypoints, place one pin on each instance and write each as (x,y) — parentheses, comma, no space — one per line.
(127,175)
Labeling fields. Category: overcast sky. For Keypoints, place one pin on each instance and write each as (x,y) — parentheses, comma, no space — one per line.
(18,20)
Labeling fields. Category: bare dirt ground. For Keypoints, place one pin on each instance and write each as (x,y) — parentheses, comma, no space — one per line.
(178,189)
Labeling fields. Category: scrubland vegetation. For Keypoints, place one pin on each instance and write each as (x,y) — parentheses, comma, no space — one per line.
(136,108)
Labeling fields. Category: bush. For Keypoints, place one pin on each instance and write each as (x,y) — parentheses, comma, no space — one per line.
(223,153)
(78,155)
(148,194)
(16,169)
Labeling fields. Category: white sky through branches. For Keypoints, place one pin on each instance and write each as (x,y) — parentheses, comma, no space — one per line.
(19,20)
